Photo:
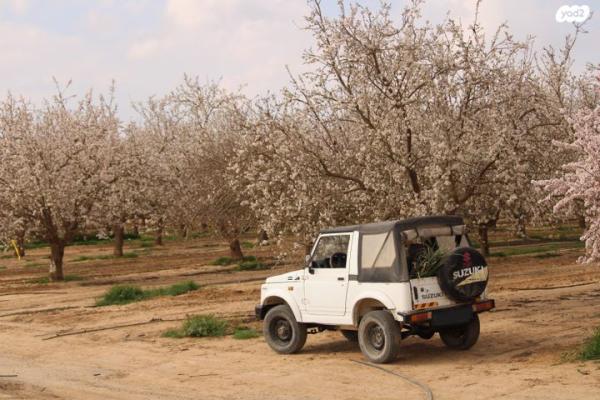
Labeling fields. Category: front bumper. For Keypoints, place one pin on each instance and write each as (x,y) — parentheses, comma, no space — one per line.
(449,316)
(260,312)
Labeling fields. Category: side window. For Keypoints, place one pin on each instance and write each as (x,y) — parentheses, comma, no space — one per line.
(331,252)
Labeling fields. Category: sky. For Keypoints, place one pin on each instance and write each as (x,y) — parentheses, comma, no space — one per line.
(146,46)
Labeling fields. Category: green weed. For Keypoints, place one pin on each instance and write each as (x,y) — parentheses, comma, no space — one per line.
(125,294)
(199,326)
(106,257)
(591,347)
(40,281)
(244,332)
(251,265)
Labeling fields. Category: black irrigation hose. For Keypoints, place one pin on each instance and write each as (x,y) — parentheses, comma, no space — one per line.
(422,386)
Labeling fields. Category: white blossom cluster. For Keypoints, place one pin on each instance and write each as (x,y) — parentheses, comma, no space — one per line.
(579,180)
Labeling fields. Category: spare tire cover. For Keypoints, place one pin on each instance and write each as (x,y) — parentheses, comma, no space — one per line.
(464,274)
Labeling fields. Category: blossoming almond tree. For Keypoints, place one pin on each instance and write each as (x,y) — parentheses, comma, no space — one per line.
(191,135)
(580,179)
(395,120)
(56,162)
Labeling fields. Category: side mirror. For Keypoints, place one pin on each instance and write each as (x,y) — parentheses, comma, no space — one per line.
(306,259)
(311,267)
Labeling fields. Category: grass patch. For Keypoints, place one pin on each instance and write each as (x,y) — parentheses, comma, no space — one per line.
(130,254)
(247,245)
(591,347)
(73,278)
(548,255)
(45,280)
(35,245)
(121,294)
(106,257)
(228,260)
(2,267)
(173,290)
(7,256)
(125,294)
(30,264)
(146,245)
(244,332)
(199,326)
(222,261)
(545,248)
(40,281)
(251,265)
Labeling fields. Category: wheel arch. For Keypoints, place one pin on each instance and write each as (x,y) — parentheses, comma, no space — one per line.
(279,298)
(370,302)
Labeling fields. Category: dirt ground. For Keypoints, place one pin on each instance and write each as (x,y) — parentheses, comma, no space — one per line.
(545,309)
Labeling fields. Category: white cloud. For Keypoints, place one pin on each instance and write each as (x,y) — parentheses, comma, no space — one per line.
(197,13)
(244,42)
(18,7)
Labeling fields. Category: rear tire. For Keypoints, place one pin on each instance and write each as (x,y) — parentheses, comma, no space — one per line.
(281,330)
(379,336)
(462,337)
(352,336)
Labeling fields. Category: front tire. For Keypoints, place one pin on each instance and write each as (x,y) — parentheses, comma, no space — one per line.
(281,330)
(379,336)
(462,337)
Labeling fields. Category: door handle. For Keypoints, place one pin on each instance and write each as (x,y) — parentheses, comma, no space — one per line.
(340,278)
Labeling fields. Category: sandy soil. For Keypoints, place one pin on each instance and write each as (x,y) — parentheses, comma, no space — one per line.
(545,308)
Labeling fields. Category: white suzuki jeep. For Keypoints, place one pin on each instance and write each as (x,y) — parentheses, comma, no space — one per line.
(380,283)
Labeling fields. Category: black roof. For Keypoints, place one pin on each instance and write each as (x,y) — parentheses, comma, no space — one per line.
(400,225)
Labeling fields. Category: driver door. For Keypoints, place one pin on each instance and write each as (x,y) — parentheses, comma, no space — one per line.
(326,278)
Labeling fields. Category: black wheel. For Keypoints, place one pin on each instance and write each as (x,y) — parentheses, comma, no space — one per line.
(461,337)
(352,336)
(282,332)
(425,333)
(379,336)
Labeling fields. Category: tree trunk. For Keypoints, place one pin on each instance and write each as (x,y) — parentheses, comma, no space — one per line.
(262,236)
(158,235)
(235,250)
(136,231)
(483,239)
(21,244)
(581,221)
(183,231)
(57,252)
(521,227)
(119,233)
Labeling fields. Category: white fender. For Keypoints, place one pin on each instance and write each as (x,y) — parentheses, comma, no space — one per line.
(286,296)
(375,295)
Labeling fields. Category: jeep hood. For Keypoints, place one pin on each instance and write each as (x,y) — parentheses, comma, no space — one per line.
(287,277)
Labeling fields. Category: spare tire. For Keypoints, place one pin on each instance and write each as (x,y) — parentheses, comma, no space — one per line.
(464,274)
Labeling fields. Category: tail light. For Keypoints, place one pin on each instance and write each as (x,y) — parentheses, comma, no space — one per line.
(483,306)
(420,317)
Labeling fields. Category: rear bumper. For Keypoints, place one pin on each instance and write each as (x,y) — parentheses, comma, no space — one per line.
(449,316)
